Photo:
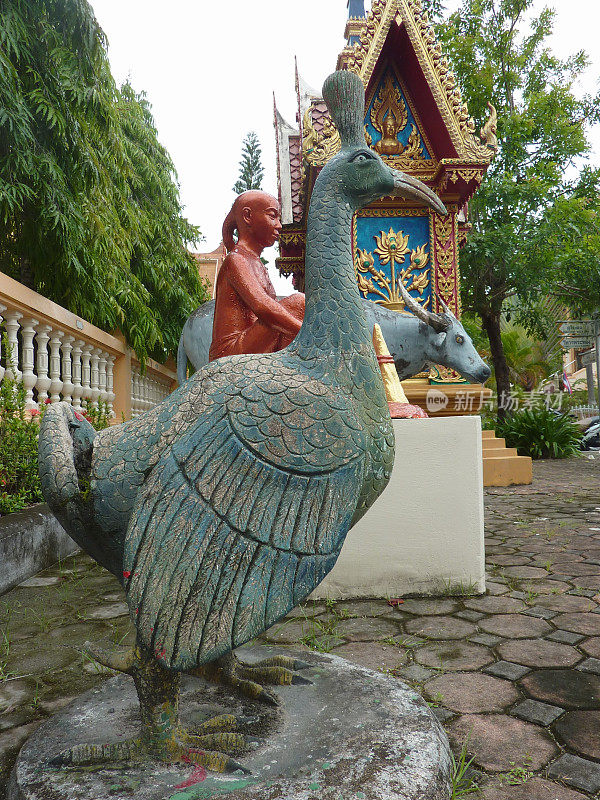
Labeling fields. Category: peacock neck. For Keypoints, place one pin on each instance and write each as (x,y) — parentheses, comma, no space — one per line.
(334,318)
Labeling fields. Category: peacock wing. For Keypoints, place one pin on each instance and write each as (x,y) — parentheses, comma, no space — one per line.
(242,516)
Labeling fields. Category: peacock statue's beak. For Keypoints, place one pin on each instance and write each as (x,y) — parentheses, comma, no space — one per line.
(413,189)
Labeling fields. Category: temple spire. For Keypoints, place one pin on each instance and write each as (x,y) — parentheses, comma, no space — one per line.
(356,20)
(356,9)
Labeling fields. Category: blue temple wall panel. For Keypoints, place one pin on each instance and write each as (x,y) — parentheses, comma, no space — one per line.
(389,247)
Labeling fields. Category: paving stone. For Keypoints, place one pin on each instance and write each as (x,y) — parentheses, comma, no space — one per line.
(499,742)
(546,586)
(566,603)
(291,632)
(440,627)
(591,647)
(533,789)
(114,597)
(576,771)
(12,739)
(453,655)
(565,637)
(373,655)
(569,688)
(508,670)
(509,560)
(591,583)
(494,588)
(470,616)
(515,626)
(539,653)
(12,693)
(580,731)
(363,608)
(525,572)
(590,665)
(564,558)
(110,611)
(518,595)
(540,612)
(305,612)
(414,673)
(485,639)
(582,569)
(495,605)
(443,714)
(536,712)
(428,607)
(39,581)
(47,657)
(588,624)
(366,629)
(472,692)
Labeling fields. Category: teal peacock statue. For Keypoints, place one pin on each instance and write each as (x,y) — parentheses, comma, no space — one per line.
(226,505)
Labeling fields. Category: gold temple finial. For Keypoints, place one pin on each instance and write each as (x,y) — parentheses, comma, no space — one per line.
(391,382)
(488,132)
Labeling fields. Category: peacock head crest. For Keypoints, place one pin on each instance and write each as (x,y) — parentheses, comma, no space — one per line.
(357,170)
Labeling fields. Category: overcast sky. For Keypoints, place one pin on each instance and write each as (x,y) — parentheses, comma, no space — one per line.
(210,69)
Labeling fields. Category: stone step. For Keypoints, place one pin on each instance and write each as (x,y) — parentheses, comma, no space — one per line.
(492,444)
(508,471)
(503,466)
(505,452)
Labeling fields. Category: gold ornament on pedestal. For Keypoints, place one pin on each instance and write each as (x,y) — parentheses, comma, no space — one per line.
(400,408)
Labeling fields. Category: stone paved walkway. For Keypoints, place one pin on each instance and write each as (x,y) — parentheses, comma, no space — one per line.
(514,675)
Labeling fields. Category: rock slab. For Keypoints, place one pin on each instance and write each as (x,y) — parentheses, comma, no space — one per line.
(353,733)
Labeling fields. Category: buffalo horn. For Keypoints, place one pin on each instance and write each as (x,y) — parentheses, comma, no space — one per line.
(436,321)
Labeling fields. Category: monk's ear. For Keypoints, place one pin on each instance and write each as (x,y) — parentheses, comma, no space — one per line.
(247,214)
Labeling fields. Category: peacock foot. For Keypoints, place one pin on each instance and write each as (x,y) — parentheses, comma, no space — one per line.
(162,737)
(210,746)
(248,679)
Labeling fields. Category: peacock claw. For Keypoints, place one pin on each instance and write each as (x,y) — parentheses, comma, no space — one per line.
(247,679)
(298,665)
(298,680)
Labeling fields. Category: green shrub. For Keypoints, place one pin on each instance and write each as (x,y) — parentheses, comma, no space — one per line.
(19,478)
(538,433)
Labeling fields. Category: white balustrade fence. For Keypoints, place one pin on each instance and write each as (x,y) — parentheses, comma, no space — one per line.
(53,365)
(582,412)
(146,390)
(58,356)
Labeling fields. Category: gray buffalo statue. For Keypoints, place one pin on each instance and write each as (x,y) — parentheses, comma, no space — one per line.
(415,340)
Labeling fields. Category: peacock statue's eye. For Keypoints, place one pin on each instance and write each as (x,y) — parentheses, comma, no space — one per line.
(360,157)
(459,339)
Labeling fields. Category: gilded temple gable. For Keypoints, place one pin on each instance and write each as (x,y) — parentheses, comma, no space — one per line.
(402,27)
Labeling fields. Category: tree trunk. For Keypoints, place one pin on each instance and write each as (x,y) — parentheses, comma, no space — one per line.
(491,325)
(26,273)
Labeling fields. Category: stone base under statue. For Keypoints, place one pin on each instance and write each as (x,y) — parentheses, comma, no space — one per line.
(352,734)
(424,535)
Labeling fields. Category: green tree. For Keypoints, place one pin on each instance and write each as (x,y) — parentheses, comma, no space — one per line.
(534,207)
(89,206)
(251,170)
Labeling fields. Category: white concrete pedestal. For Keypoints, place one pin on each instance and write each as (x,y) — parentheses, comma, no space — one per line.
(424,535)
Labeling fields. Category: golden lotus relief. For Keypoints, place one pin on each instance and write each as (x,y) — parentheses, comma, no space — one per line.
(392,248)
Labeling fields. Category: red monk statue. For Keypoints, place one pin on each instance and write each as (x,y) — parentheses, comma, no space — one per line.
(248,317)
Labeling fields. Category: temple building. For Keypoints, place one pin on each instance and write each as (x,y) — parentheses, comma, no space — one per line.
(416,120)
(209,265)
